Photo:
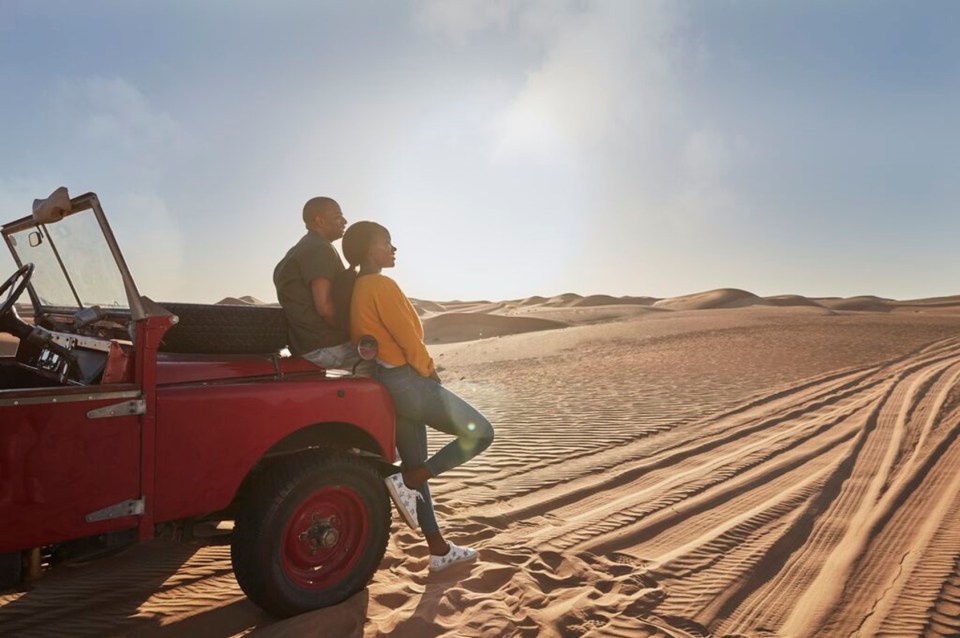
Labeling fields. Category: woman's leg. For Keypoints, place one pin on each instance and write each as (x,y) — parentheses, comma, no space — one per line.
(416,400)
(412,445)
(443,410)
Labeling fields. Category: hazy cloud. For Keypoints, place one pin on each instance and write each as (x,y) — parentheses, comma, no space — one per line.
(459,20)
(606,71)
(643,147)
(114,140)
(606,97)
(116,120)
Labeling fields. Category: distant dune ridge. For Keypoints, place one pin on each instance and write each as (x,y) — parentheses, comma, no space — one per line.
(607,300)
(424,307)
(867,303)
(720,298)
(448,322)
(455,321)
(791,300)
(533,301)
(465,326)
(953,300)
(246,300)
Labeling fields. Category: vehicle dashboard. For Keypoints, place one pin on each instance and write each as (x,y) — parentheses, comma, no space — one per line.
(94,354)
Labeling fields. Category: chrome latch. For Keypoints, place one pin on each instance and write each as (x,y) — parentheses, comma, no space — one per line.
(132,507)
(127,408)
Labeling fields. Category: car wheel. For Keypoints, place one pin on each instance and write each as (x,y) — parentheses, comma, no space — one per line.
(311,532)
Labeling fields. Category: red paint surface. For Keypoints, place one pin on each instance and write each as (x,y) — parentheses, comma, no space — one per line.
(190,368)
(56,466)
(210,436)
(340,514)
(208,421)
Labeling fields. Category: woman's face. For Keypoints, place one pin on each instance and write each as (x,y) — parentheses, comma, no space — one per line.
(382,251)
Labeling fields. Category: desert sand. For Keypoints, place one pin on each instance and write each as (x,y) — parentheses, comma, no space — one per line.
(718,464)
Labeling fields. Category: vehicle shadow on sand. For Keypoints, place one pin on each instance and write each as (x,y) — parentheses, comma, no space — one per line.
(152,589)
(160,590)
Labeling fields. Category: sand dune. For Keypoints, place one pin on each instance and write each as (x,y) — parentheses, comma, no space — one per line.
(246,300)
(579,315)
(424,307)
(233,301)
(791,300)
(721,298)
(481,307)
(566,299)
(456,326)
(532,301)
(953,301)
(458,306)
(607,300)
(770,470)
(864,303)
(575,309)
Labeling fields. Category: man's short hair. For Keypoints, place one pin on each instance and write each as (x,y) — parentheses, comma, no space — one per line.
(316,206)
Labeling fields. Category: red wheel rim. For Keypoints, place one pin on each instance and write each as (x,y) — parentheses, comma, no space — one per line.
(325,537)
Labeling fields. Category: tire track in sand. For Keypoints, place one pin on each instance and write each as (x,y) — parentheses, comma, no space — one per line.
(780,484)
(812,558)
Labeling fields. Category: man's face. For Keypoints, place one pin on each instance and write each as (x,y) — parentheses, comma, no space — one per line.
(331,223)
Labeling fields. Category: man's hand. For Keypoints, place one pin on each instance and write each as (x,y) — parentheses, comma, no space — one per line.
(436,377)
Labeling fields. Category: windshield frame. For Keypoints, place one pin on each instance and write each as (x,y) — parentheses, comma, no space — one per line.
(81,204)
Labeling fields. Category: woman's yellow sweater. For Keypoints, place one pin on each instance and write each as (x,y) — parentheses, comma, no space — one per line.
(380,308)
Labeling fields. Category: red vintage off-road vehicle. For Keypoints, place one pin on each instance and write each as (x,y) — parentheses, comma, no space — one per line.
(122,419)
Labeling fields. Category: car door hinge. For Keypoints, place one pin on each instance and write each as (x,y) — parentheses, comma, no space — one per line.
(127,408)
(132,507)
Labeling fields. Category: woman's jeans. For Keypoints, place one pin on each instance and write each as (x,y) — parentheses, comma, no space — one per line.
(419,402)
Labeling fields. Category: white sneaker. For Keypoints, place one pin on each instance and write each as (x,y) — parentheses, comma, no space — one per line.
(454,555)
(404,498)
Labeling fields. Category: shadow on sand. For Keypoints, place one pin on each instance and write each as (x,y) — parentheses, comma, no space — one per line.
(142,591)
(160,590)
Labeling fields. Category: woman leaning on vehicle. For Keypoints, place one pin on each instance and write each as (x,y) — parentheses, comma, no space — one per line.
(379,308)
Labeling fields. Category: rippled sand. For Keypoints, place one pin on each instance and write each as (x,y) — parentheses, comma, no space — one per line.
(761,471)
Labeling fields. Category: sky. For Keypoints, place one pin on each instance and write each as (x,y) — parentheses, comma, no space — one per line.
(512,148)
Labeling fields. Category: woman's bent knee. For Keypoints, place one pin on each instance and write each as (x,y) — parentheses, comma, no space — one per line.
(482,435)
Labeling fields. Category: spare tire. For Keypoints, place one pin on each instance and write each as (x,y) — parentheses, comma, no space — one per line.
(225,329)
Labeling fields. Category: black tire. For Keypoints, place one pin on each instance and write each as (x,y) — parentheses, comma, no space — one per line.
(11,570)
(225,329)
(270,552)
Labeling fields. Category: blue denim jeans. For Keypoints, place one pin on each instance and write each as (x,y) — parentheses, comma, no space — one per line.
(420,402)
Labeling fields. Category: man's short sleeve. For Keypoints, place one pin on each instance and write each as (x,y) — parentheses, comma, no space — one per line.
(321,261)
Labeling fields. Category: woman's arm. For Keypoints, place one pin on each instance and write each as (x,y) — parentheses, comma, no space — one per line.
(401,321)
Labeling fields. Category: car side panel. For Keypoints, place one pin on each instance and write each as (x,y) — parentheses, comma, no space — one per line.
(58,465)
(210,436)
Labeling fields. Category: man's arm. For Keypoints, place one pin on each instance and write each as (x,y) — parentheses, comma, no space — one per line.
(322,291)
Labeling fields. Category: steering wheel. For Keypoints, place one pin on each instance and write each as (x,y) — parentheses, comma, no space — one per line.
(14,287)
(11,322)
